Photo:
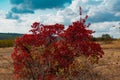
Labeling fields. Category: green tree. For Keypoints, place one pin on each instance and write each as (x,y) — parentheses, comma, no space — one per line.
(106,38)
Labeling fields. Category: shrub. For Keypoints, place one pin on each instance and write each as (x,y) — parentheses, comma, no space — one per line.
(50,52)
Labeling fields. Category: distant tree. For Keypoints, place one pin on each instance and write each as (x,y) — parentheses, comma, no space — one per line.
(106,38)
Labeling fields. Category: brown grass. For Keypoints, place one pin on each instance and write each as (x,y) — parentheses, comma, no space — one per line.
(108,67)
(5,64)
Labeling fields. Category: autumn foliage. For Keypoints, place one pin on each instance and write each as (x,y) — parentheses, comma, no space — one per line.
(50,51)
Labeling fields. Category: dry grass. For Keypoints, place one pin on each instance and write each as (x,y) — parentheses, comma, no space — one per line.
(108,67)
(5,64)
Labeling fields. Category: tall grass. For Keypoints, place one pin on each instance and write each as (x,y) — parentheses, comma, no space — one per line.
(6,43)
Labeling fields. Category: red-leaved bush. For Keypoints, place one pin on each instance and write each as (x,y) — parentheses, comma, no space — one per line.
(49,53)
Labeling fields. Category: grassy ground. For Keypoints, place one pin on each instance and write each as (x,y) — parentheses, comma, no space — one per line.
(5,66)
(108,67)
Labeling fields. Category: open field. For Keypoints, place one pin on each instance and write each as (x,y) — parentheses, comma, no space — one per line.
(5,63)
(108,67)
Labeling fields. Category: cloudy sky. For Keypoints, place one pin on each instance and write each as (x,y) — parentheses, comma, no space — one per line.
(16,16)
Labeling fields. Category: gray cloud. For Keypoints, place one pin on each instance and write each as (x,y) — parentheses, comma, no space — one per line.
(102,17)
(10,15)
(28,6)
(20,11)
(106,11)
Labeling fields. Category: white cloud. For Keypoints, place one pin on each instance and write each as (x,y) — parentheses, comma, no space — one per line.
(7,25)
(111,28)
(2,14)
(12,25)
(105,12)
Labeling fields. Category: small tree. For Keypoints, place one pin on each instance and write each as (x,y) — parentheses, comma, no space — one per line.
(50,52)
(106,38)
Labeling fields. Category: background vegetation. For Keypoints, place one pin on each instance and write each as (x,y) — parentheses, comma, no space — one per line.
(7,39)
(4,36)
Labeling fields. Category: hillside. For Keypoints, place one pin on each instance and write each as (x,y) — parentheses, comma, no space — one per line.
(9,35)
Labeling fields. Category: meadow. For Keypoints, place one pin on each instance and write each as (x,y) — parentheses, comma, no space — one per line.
(108,67)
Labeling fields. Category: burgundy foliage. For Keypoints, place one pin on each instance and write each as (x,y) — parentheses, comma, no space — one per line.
(50,50)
